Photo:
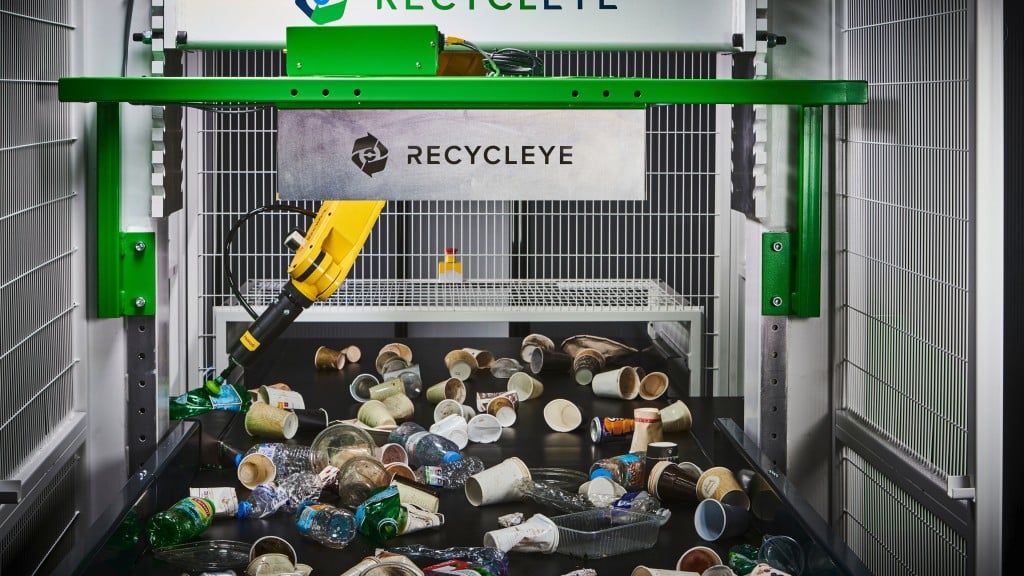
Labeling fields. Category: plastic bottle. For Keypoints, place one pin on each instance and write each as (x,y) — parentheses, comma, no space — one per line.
(231,397)
(288,494)
(404,431)
(287,458)
(552,496)
(298,488)
(381,517)
(626,470)
(452,474)
(188,518)
(428,449)
(323,523)
(264,501)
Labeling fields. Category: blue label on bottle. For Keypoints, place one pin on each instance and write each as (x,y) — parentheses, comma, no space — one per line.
(228,399)
(267,450)
(629,458)
(306,518)
(183,399)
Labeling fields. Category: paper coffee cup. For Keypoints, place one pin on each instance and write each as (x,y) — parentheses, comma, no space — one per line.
(399,470)
(646,428)
(401,350)
(360,387)
(714,520)
(386,357)
(549,361)
(387,388)
(720,484)
(674,483)
(446,408)
(484,429)
(503,409)
(256,469)
(698,559)
(562,415)
(328,359)
(412,492)
(621,383)
(285,399)
(468,412)
(538,534)
(483,358)
(268,421)
(653,385)
(390,565)
(450,389)
(460,364)
(497,483)
(352,353)
(454,428)
(676,417)
(525,386)
(645,571)
(532,342)
(419,519)
(391,452)
(585,364)
(400,407)
(375,414)
(485,398)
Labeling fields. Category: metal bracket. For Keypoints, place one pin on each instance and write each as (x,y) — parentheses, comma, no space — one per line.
(960,488)
(141,417)
(138,273)
(776,274)
(774,394)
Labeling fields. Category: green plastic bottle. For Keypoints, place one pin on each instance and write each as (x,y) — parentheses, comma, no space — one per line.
(188,518)
(212,396)
(381,517)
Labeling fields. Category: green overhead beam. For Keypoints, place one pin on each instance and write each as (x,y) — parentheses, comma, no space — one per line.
(460,92)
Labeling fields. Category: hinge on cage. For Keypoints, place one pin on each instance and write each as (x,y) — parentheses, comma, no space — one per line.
(960,488)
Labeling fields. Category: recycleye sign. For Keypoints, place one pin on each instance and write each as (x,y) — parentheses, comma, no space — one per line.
(461,154)
(527,24)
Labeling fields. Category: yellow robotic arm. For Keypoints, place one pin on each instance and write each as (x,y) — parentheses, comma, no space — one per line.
(321,263)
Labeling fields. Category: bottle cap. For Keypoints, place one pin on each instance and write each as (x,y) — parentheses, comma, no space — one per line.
(600,472)
(212,386)
(244,509)
(238,460)
(452,457)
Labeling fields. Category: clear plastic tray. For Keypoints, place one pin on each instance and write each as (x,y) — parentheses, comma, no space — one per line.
(605,532)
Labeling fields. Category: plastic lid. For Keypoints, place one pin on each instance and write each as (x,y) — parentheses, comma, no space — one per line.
(599,473)
(452,457)
(244,509)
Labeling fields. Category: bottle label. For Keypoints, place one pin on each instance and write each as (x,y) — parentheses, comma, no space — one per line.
(634,476)
(305,521)
(225,501)
(267,450)
(228,399)
(419,519)
(433,475)
(199,509)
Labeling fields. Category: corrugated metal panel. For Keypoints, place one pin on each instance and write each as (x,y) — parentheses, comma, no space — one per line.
(668,238)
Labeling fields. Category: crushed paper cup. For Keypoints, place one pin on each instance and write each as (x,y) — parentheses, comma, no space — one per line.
(484,429)
(538,534)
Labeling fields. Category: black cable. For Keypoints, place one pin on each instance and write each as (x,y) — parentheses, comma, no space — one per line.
(225,254)
(127,37)
(516,62)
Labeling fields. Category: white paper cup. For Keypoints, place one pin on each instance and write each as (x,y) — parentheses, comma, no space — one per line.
(255,469)
(400,407)
(454,428)
(467,412)
(460,364)
(538,534)
(526,386)
(653,385)
(562,415)
(646,428)
(645,571)
(450,389)
(698,559)
(391,452)
(621,383)
(446,408)
(286,399)
(484,429)
(676,417)
(375,414)
(497,483)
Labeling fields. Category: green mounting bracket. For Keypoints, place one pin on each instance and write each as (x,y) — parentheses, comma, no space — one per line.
(138,273)
(363,50)
(791,263)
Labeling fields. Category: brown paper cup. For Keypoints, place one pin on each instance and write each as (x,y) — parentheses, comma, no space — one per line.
(646,428)
(460,364)
(504,410)
(268,421)
(483,358)
(533,342)
(328,359)
(256,469)
(352,353)
(676,417)
(376,415)
(403,351)
(384,358)
(397,469)
(653,385)
(674,483)
(585,364)
(720,484)
(698,559)
(400,407)
(450,389)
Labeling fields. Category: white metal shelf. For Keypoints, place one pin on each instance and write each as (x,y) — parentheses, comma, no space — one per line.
(642,300)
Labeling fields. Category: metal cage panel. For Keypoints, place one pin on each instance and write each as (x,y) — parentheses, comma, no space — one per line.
(667,241)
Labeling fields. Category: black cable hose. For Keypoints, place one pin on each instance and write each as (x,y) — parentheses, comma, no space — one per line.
(229,239)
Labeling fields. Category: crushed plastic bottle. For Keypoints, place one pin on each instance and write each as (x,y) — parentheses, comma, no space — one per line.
(264,501)
(450,475)
(552,496)
(428,449)
(323,523)
(183,521)
(492,560)
(298,488)
(287,458)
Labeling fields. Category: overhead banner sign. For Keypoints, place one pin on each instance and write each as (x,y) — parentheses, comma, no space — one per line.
(527,24)
(461,154)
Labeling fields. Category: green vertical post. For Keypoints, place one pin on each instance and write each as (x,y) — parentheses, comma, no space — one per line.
(108,210)
(806,300)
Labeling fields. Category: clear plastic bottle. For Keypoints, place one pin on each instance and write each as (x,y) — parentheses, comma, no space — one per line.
(264,501)
(323,523)
(288,494)
(626,470)
(287,458)
(552,496)
(452,474)
(188,518)
(428,449)
(404,431)
(298,488)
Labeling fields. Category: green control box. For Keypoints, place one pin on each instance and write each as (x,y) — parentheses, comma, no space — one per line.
(363,50)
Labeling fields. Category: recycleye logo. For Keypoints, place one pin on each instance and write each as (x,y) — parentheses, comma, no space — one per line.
(369,154)
(322,11)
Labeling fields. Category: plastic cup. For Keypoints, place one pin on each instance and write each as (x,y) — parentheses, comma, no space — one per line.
(782,552)
(714,520)
(497,483)
(446,408)
(621,383)
(562,415)
(268,421)
(328,359)
(450,389)
(646,428)
(255,469)
(272,545)
(359,477)
(653,385)
(360,387)
(526,386)
(460,364)
(698,559)
(676,417)
(375,414)
(720,484)
(484,429)
(538,534)
(400,407)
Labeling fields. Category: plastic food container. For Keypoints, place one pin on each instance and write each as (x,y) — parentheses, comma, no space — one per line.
(605,532)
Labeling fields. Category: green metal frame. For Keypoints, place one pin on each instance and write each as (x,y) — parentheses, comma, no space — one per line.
(123,279)
(410,50)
